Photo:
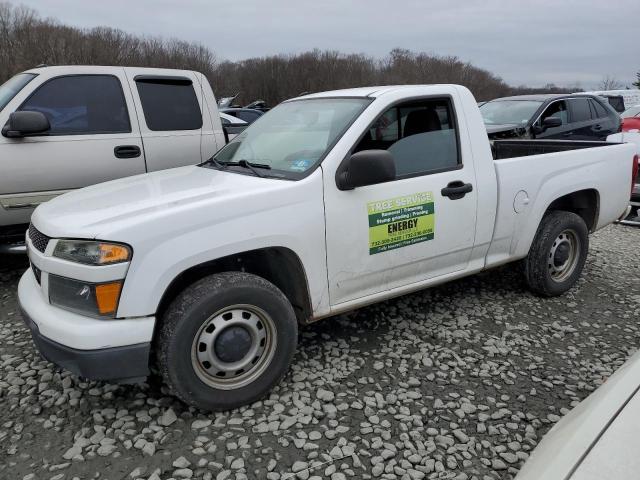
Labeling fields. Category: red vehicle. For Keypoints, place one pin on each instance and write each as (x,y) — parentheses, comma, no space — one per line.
(631,119)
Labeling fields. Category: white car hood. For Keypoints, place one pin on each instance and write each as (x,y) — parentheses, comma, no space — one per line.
(565,446)
(96,211)
(615,455)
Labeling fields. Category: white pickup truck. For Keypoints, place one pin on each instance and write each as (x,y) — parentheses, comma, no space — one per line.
(330,202)
(68,127)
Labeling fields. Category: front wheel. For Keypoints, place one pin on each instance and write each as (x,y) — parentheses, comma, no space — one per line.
(557,254)
(226,340)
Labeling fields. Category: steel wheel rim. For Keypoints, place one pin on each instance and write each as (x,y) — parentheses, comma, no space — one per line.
(567,244)
(225,375)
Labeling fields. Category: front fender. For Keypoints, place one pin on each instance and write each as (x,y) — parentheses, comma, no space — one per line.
(297,225)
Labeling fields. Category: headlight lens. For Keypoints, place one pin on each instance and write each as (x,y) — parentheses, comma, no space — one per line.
(91,299)
(90,252)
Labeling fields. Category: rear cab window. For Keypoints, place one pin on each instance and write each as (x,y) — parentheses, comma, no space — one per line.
(81,105)
(421,136)
(169,104)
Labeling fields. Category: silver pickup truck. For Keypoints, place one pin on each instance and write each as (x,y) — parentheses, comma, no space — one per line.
(68,127)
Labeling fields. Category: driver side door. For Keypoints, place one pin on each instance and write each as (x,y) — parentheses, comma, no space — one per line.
(390,235)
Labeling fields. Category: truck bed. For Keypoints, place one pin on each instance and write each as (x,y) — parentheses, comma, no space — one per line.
(503,149)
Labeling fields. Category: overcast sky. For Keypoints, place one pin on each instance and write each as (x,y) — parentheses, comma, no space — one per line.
(524,42)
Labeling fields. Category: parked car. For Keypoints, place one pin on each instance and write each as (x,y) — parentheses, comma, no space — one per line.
(619,99)
(631,119)
(632,137)
(330,202)
(69,127)
(249,115)
(557,117)
(596,440)
(232,125)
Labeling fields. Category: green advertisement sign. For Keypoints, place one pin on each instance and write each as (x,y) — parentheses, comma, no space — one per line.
(401,221)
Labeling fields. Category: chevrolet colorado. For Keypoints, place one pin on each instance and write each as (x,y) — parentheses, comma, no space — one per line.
(330,202)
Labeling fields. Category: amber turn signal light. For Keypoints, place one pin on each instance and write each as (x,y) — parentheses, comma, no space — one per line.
(107,296)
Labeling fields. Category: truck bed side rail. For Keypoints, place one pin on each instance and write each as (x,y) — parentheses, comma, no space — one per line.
(503,149)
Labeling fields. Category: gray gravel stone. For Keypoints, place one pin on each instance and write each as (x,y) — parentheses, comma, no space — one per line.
(459,381)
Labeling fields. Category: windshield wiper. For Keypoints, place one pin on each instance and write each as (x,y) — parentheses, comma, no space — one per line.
(249,165)
(215,162)
(240,163)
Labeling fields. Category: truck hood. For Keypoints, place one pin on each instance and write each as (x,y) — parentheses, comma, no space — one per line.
(94,211)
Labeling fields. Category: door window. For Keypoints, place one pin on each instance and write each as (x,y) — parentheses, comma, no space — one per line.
(557,110)
(169,104)
(81,105)
(599,110)
(421,136)
(580,111)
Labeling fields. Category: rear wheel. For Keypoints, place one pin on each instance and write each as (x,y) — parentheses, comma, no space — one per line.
(558,253)
(226,340)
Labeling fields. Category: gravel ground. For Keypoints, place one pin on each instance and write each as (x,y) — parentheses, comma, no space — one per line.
(460,381)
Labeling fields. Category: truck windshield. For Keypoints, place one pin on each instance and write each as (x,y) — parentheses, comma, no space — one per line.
(292,138)
(11,87)
(505,112)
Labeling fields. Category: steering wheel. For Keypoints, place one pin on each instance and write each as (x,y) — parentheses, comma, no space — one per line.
(303,155)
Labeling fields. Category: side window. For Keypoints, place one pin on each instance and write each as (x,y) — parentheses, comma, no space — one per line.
(81,105)
(169,104)
(386,128)
(558,110)
(420,135)
(248,116)
(599,110)
(580,111)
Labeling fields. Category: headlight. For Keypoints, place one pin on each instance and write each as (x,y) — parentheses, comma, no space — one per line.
(92,299)
(90,252)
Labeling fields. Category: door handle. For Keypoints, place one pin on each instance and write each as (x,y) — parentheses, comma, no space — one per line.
(127,151)
(597,127)
(456,190)
(567,134)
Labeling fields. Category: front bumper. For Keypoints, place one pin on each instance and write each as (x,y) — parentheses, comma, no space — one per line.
(114,350)
(118,364)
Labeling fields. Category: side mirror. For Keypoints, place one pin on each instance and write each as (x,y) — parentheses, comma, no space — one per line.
(22,124)
(551,122)
(367,167)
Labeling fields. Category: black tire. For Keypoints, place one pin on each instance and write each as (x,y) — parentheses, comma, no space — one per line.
(192,309)
(539,274)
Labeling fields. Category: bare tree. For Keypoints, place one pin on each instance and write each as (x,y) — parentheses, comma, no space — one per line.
(27,40)
(609,83)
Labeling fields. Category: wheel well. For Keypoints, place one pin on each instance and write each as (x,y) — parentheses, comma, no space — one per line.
(583,202)
(278,265)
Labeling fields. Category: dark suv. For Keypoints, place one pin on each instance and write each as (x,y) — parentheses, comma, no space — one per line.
(558,117)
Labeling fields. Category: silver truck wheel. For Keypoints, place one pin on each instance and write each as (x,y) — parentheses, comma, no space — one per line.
(564,256)
(234,346)
(557,254)
(226,341)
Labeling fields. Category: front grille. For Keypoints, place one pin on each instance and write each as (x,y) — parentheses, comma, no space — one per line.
(38,239)
(36,272)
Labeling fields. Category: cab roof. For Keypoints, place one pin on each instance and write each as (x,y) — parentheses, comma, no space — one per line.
(372,92)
